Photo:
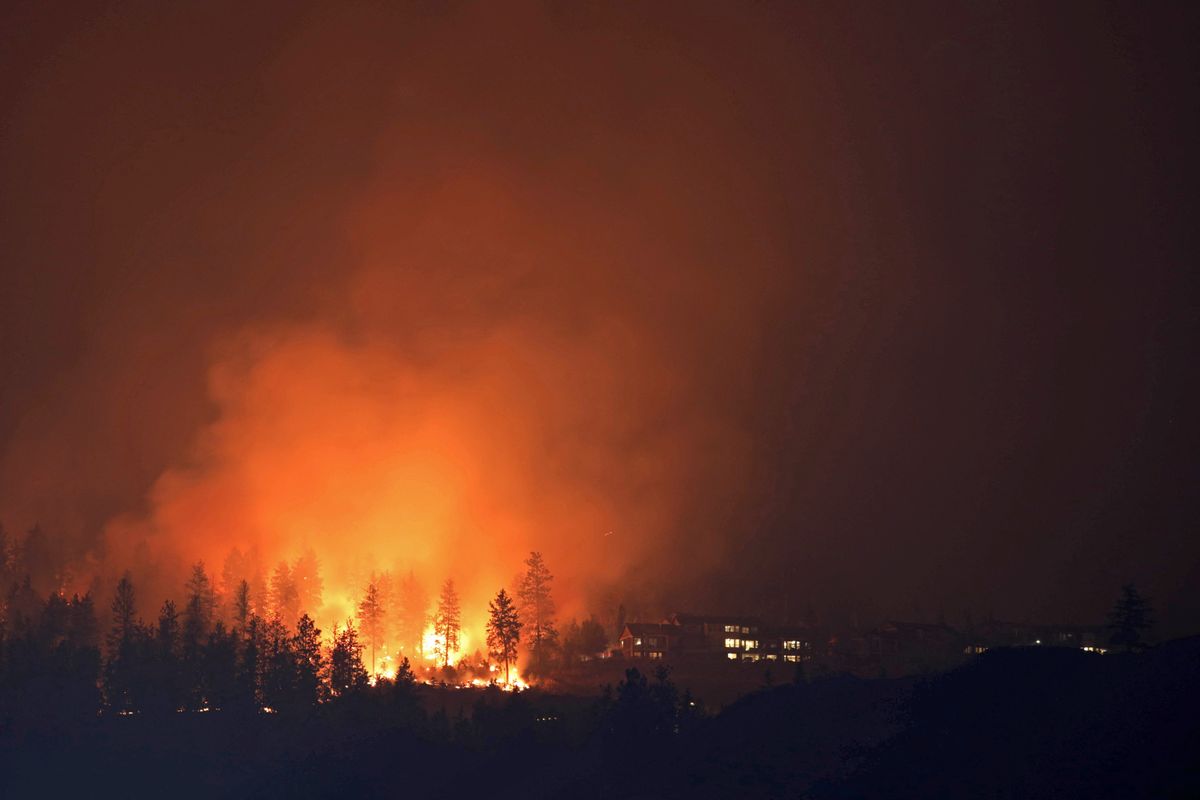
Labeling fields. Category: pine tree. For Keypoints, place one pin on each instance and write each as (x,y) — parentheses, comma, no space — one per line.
(166,690)
(310,662)
(233,571)
(197,625)
(124,615)
(241,604)
(1130,619)
(404,673)
(249,681)
(371,620)
(220,679)
(537,609)
(278,666)
(285,600)
(447,623)
(346,671)
(121,647)
(503,630)
(200,608)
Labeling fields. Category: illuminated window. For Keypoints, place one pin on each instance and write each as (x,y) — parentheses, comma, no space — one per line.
(791,644)
(772,657)
(745,629)
(731,628)
(637,642)
(732,656)
(655,654)
(733,644)
(791,658)
(750,657)
(751,644)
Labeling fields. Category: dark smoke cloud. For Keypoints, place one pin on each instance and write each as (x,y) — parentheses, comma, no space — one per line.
(858,307)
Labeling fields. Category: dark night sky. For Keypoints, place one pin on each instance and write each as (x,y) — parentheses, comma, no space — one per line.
(895,302)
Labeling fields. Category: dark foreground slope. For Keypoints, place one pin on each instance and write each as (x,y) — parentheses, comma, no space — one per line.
(1018,723)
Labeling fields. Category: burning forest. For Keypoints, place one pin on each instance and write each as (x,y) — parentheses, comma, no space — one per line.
(536,398)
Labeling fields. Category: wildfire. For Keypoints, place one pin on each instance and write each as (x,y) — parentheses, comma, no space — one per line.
(432,647)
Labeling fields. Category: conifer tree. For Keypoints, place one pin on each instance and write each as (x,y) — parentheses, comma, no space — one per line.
(200,608)
(537,609)
(121,645)
(503,630)
(167,692)
(346,671)
(220,680)
(124,615)
(249,681)
(241,604)
(285,600)
(310,662)
(371,620)
(447,623)
(1130,619)
(197,625)
(278,666)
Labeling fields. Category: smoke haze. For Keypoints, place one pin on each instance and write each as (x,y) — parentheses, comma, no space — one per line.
(731,307)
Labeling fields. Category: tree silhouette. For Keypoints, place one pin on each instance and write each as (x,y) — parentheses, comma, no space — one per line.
(285,600)
(124,614)
(404,673)
(197,624)
(310,662)
(1130,618)
(583,640)
(346,671)
(220,681)
(200,608)
(371,614)
(241,604)
(278,666)
(537,609)
(249,674)
(503,630)
(166,689)
(121,646)
(447,623)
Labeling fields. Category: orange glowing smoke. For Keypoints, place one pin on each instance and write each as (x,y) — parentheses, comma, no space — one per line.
(444,471)
(427,424)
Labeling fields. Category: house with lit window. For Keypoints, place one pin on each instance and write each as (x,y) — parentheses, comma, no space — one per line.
(730,637)
(790,643)
(650,640)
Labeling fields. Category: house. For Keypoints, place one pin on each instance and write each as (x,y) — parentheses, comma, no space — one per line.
(732,637)
(650,640)
(791,643)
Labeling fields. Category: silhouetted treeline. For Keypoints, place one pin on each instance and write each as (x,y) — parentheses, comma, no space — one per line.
(1025,723)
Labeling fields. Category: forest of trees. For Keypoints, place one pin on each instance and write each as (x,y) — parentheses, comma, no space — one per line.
(253,648)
